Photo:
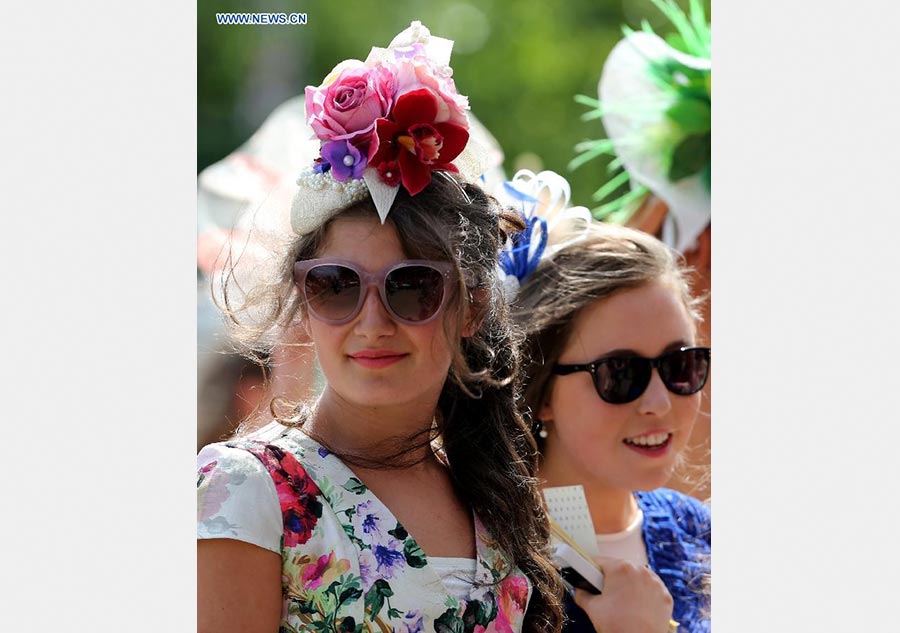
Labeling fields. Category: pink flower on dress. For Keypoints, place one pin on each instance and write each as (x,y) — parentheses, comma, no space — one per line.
(349,101)
(298,496)
(212,490)
(203,473)
(511,604)
(323,572)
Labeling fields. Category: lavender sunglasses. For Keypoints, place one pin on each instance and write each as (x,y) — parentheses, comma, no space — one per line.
(413,291)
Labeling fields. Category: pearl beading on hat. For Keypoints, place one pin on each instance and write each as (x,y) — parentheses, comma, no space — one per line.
(350,190)
(319,197)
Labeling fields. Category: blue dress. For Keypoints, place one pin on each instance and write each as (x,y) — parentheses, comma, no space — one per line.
(676,532)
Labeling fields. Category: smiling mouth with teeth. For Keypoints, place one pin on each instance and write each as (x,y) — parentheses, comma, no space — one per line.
(654,441)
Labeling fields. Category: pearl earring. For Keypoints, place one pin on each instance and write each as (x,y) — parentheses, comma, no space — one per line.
(542,433)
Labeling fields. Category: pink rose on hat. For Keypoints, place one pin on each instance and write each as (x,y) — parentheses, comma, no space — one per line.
(349,101)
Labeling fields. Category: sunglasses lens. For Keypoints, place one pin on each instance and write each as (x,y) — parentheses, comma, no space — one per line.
(414,293)
(332,291)
(621,380)
(685,372)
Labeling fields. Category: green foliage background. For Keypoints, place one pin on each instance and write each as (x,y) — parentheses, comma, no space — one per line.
(521,80)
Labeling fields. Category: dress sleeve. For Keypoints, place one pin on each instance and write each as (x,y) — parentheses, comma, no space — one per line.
(236,498)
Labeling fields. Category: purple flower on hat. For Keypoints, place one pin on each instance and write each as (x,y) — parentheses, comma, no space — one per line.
(345,160)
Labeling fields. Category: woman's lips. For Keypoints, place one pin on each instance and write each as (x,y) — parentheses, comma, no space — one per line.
(377,359)
(654,444)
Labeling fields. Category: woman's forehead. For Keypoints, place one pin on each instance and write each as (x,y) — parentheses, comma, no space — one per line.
(646,319)
(362,239)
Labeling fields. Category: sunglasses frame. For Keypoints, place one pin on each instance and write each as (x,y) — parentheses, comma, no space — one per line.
(565,369)
(367,280)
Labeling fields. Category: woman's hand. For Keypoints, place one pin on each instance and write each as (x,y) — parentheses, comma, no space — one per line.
(634,600)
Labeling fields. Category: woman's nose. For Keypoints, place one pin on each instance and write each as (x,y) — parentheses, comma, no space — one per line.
(373,318)
(656,398)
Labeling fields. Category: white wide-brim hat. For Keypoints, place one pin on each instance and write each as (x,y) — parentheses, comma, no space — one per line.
(634,108)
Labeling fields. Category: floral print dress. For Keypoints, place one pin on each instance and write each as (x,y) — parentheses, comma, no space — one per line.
(347,564)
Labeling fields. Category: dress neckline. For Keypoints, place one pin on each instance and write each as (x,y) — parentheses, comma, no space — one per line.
(325,468)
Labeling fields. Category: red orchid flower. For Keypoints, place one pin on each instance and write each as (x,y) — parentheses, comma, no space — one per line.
(417,143)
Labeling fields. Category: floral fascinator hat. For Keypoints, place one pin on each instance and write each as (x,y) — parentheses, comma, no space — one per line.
(655,103)
(551,224)
(384,123)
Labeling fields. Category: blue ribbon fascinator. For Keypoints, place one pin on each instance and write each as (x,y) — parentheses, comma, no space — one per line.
(551,224)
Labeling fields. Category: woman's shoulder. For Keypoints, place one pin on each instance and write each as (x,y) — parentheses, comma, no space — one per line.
(677,532)
(244,484)
(248,449)
(689,513)
(287,455)
(236,497)
(268,433)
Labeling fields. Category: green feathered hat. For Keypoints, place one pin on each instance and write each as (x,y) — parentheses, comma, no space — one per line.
(655,104)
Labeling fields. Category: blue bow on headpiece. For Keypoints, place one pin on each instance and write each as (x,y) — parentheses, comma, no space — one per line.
(550,224)
(521,257)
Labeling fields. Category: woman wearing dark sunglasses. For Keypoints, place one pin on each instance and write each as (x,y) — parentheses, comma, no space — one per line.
(614,386)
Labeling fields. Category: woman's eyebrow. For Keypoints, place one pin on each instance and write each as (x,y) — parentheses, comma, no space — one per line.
(618,352)
(630,352)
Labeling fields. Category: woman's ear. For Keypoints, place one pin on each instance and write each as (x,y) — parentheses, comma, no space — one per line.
(546,412)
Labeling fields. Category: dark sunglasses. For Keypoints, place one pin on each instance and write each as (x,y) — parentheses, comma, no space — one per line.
(622,379)
(413,291)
